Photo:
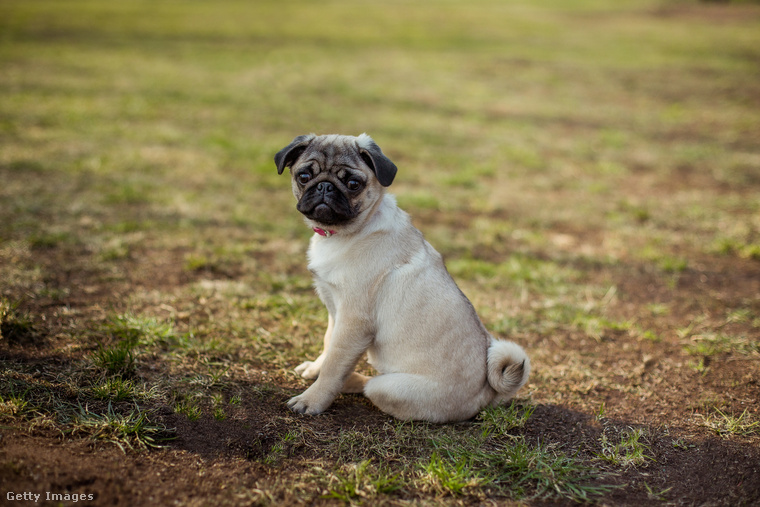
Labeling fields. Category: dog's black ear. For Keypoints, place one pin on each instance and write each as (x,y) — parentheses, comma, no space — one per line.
(385,170)
(289,154)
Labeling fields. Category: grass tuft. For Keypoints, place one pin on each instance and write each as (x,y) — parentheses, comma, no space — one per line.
(139,330)
(134,430)
(713,344)
(190,408)
(118,359)
(13,406)
(726,425)
(500,420)
(452,475)
(515,469)
(362,481)
(130,333)
(118,389)
(629,451)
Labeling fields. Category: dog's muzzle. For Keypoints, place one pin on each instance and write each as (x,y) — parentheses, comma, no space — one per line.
(325,204)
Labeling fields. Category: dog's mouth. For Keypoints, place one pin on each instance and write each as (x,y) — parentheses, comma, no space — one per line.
(328,208)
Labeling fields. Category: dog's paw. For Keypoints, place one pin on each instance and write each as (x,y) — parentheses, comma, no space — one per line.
(306,404)
(308,369)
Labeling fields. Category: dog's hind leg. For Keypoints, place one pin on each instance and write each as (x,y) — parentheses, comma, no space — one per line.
(355,383)
(415,397)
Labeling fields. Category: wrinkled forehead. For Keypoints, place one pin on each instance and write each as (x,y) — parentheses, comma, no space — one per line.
(330,152)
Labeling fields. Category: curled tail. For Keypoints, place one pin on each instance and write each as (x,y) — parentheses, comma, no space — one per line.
(508,368)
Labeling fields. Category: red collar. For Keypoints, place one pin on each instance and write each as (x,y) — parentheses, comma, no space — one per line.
(323,232)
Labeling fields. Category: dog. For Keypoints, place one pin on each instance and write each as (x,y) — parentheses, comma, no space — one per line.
(389,295)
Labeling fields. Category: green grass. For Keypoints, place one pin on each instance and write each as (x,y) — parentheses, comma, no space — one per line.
(506,418)
(127,334)
(282,448)
(357,482)
(727,425)
(513,468)
(714,344)
(118,389)
(131,431)
(629,451)
(451,476)
(189,408)
(13,405)
(139,330)
(517,271)
(117,359)
(489,459)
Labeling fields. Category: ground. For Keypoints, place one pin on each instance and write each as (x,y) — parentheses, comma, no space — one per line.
(589,171)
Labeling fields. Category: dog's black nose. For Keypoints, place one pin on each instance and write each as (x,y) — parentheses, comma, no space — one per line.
(325,187)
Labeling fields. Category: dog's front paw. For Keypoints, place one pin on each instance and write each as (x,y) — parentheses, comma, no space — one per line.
(307,403)
(308,369)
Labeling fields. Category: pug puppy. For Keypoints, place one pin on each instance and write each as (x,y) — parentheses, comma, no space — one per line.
(389,295)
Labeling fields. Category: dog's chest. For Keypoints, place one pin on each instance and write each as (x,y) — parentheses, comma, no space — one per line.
(339,268)
(328,262)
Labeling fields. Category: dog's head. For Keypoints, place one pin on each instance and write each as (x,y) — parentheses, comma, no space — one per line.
(335,179)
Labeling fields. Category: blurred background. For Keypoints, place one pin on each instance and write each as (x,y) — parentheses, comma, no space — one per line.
(565,113)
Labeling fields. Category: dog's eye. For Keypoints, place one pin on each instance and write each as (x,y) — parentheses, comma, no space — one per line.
(353,185)
(304,178)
